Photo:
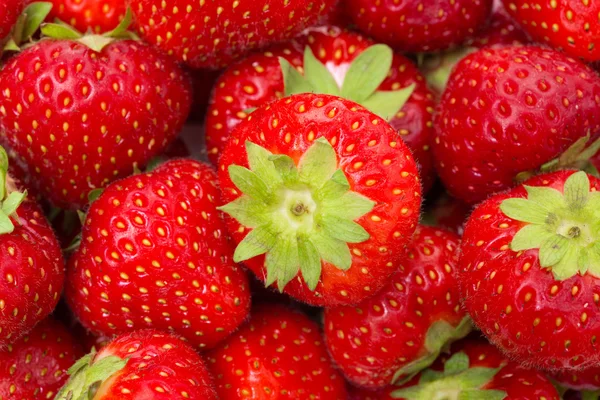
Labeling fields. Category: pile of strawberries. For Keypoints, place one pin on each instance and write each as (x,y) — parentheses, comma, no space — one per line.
(299,199)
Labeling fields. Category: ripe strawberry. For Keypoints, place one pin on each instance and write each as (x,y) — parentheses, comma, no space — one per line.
(81,118)
(9,12)
(507,112)
(405,326)
(35,366)
(567,25)
(500,30)
(216,33)
(418,26)
(154,255)
(329,202)
(278,354)
(529,270)
(145,364)
(258,80)
(98,16)
(584,380)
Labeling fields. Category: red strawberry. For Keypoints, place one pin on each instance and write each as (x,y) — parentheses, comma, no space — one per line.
(587,379)
(500,30)
(418,26)
(258,80)
(507,112)
(96,15)
(567,25)
(35,367)
(403,328)
(154,255)
(9,12)
(215,33)
(81,118)
(145,364)
(278,354)
(329,202)
(529,270)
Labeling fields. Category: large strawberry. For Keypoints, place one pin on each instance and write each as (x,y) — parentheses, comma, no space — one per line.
(96,15)
(418,26)
(278,354)
(81,117)
(145,364)
(404,327)
(35,367)
(529,270)
(154,255)
(214,33)
(507,113)
(567,25)
(323,195)
(333,61)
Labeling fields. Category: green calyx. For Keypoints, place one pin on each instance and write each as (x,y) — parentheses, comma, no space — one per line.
(438,67)
(87,375)
(300,215)
(27,24)
(439,337)
(365,74)
(457,382)
(565,227)
(10,197)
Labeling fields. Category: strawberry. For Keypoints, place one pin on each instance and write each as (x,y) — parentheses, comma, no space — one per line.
(98,16)
(278,354)
(500,30)
(154,255)
(585,380)
(333,61)
(418,26)
(35,366)
(9,12)
(403,328)
(510,112)
(144,364)
(323,197)
(214,33)
(571,26)
(84,117)
(528,270)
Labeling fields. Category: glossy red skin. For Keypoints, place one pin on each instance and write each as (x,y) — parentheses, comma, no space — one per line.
(9,12)
(389,235)
(160,367)
(215,34)
(257,80)
(448,213)
(587,379)
(416,25)
(534,117)
(66,174)
(500,30)
(552,25)
(99,16)
(493,277)
(36,365)
(279,349)
(196,290)
(423,291)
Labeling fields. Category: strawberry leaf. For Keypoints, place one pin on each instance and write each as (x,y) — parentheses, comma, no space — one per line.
(293,81)
(367,72)
(318,76)
(576,189)
(386,104)
(333,251)
(523,210)
(318,164)
(249,183)
(310,262)
(257,242)
(530,237)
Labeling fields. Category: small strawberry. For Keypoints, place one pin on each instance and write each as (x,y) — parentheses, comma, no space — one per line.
(154,255)
(419,26)
(144,364)
(278,354)
(323,197)
(571,26)
(333,61)
(405,326)
(80,118)
(215,33)
(510,112)
(529,270)
(98,16)
(35,366)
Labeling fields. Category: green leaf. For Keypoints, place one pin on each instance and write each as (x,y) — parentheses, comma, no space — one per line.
(333,188)
(344,230)
(349,206)
(523,210)
(530,237)
(12,202)
(386,104)
(11,45)
(576,190)
(285,167)
(293,81)
(94,194)
(459,362)
(85,376)
(96,42)
(568,265)
(59,31)
(429,375)
(260,163)
(318,76)
(121,29)
(594,259)
(332,250)
(4,161)
(367,72)
(246,210)
(476,377)
(283,259)
(317,164)
(310,262)
(477,394)
(259,241)
(249,183)
(553,250)
(548,198)
(6,224)
(35,13)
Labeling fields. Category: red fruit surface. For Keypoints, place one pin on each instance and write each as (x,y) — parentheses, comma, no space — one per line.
(81,119)
(214,34)
(500,30)
(154,255)
(35,366)
(9,12)
(377,165)
(587,379)
(510,110)
(278,354)
(419,26)
(374,339)
(257,80)
(98,16)
(571,26)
